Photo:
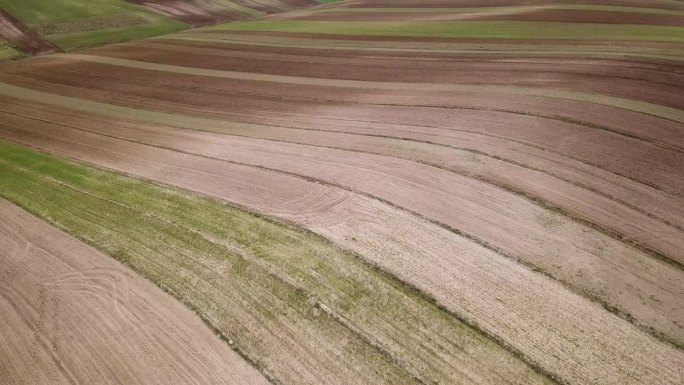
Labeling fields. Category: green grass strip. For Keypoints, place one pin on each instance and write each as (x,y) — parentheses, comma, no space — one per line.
(458,10)
(470,29)
(73,41)
(7,52)
(301,310)
(177,120)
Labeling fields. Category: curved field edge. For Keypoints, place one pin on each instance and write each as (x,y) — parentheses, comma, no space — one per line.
(456,9)
(471,49)
(468,29)
(288,301)
(7,52)
(647,108)
(50,279)
(73,24)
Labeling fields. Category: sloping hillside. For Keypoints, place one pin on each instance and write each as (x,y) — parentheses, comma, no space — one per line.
(73,24)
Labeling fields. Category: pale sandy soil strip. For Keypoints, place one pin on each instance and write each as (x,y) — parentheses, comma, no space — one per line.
(650,291)
(628,104)
(561,332)
(638,196)
(70,314)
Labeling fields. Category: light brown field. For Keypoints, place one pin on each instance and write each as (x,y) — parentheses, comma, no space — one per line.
(71,314)
(537,197)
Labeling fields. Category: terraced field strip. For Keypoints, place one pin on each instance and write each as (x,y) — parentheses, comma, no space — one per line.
(7,52)
(72,24)
(628,104)
(468,29)
(510,302)
(623,294)
(299,309)
(657,172)
(572,7)
(491,49)
(71,314)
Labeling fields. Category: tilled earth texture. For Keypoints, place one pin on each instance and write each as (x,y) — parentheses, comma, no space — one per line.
(364,192)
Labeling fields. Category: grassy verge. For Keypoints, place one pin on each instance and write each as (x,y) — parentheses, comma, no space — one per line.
(457,10)
(7,52)
(73,24)
(298,308)
(73,41)
(470,29)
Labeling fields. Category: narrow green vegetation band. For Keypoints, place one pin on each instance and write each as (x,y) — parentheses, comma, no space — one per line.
(301,310)
(469,29)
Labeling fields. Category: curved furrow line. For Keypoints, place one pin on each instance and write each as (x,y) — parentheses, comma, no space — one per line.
(136,52)
(669,189)
(614,233)
(563,119)
(419,309)
(531,343)
(184,126)
(493,51)
(524,143)
(620,310)
(663,112)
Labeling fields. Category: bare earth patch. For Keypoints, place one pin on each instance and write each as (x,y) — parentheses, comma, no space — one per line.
(71,314)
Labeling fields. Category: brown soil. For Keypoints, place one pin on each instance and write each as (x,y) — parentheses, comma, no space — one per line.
(496,293)
(541,14)
(660,169)
(22,36)
(399,39)
(72,315)
(194,12)
(662,4)
(632,82)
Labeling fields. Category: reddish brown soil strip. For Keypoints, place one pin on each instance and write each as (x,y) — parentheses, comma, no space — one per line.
(546,15)
(193,12)
(156,50)
(660,169)
(323,36)
(22,36)
(602,283)
(657,88)
(581,344)
(70,314)
(427,51)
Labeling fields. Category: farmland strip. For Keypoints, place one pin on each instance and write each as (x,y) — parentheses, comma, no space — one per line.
(628,104)
(469,29)
(182,121)
(580,7)
(128,331)
(505,299)
(661,173)
(278,293)
(602,286)
(487,49)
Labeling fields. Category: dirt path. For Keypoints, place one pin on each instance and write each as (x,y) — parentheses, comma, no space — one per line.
(71,314)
